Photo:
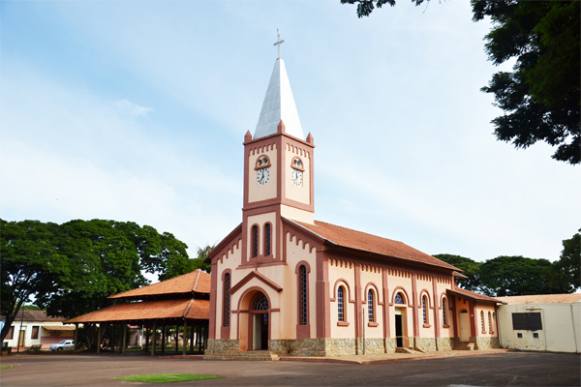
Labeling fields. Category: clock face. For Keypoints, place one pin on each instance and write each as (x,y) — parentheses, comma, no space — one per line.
(263,175)
(297,177)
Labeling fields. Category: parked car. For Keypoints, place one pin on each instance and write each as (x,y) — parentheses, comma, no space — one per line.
(63,345)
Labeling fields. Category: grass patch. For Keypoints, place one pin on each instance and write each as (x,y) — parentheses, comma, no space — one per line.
(166,378)
(6,366)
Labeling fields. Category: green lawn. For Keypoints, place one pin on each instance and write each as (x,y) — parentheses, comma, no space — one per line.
(6,366)
(166,378)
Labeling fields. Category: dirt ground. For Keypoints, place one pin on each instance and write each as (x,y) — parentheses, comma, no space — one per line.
(511,368)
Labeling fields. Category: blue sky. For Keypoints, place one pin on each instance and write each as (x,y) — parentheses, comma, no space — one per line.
(136,110)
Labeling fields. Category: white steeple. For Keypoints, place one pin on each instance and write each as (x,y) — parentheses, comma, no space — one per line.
(279,105)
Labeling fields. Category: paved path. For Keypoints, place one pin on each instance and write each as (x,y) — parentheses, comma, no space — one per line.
(529,369)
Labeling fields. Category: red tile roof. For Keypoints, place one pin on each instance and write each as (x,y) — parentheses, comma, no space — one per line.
(474,296)
(148,310)
(358,240)
(197,281)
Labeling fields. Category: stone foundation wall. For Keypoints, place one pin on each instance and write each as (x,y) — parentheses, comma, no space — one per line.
(425,344)
(390,345)
(445,343)
(338,347)
(306,347)
(487,342)
(374,346)
(222,347)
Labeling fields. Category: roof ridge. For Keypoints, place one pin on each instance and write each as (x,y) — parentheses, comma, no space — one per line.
(362,232)
(196,280)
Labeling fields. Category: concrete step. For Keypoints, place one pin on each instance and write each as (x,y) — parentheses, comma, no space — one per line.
(250,355)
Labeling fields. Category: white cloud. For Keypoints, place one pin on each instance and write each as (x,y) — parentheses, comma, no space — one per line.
(131,108)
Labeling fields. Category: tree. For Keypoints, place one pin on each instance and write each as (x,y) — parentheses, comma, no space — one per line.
(540,97)
(570,262)
(202,261)
(514,276)
(72,268)
(470,268)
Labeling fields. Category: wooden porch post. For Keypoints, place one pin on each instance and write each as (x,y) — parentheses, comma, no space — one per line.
(153,339)
(147,333)
(192,338)
(99,338)
(124,339)
(163,338)
(76,336)
(176,338)
(185,337)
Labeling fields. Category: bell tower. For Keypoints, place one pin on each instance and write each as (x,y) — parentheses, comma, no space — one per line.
(278,173)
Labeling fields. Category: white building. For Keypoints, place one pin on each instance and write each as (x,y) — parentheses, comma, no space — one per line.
(33,328)
(545,322)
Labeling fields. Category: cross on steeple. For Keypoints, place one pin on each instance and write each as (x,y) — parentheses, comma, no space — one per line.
(278,42)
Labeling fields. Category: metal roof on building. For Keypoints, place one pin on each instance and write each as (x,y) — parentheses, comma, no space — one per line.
(566,298)
(279,105)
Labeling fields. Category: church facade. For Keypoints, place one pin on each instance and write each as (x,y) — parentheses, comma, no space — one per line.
(289,284)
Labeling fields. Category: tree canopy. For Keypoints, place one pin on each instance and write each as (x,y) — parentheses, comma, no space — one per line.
(517,275)
(540,97)
(71,268)
(470,268)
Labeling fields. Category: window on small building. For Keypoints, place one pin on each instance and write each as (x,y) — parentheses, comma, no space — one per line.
(425,309)
(267,239)
(482,322)
(490,326)
(34,332)
(527,321)
(444,311)
(254,241)
(226,300)
(536,335)
(399,299)
(371,305)
(341,303)
(303,296)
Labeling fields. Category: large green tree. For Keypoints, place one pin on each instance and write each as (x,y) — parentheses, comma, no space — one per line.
(71,268)
(470,268)
(570,262)
(517,275)
(540,97)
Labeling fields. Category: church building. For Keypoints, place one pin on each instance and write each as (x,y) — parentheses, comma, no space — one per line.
(287,283)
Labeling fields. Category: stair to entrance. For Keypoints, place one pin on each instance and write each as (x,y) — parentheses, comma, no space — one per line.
(407,350)
(464,346)
(249,355)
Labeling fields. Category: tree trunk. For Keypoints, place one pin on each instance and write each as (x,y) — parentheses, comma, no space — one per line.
(10,317)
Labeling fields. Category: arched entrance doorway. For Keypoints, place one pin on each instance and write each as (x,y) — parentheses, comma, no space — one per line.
(259,322)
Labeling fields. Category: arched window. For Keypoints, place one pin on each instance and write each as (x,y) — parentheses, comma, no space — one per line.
(303,296)
(425,309)
(490,328)
(399,299)
(267,239)
(482,323)
(254,241)
(226,300)
(341,303)
(444,311)
(260,302)
(371,305)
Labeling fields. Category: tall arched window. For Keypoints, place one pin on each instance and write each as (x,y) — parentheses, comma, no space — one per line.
(226,300)
(303,296)
(482,322)
(267,239)
(254,241)
(341,303)
(444,311)
(371,305)
(425,309)
(490,328)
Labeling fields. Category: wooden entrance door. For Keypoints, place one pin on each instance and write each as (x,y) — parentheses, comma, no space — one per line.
(464,326)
